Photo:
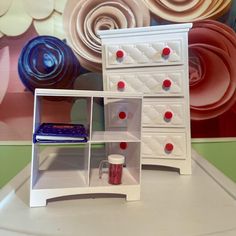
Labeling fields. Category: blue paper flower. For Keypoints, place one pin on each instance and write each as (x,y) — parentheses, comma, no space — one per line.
(47,62)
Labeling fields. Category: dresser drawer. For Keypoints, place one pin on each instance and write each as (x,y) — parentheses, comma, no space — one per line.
(162,113)
(144,54)
(123,114)
(164,145)
(167,81)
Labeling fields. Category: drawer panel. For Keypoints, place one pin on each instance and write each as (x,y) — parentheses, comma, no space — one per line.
(164,145)
(159,113)
(144,54)
(150,82)
(117,114)
(123,114)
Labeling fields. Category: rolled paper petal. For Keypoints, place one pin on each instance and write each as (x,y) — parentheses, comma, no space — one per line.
(215,81)
(220,28)
(47,62)
(217,86)
(15,21)
(179,6)
(213,78)
(4,71)
(188,10)
(59,5)
(219,8)
(39,9)
(4,6)
(53,26)
(83,18)
(196,68)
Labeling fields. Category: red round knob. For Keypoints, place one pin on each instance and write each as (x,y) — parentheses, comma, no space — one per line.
(119,54)
(123,145)
(166,83)
(166,51)
(168,115)
(122,115)
(121,85)
(169,147)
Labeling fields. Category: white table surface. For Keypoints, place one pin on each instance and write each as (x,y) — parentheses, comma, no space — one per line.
(170,205)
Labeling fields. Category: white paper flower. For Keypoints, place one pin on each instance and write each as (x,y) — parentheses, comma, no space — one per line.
(187,10)
(16,16)
(83,18)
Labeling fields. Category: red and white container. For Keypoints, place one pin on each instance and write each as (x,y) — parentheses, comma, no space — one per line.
(115,168)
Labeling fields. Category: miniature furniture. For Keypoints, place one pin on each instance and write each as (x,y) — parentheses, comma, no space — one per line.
(154,61)
(72,168)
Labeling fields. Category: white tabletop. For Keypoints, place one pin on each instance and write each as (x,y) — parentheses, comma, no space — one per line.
(171,205)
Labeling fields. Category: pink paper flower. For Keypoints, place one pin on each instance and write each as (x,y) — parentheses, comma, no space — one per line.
(212,54)
(4,71)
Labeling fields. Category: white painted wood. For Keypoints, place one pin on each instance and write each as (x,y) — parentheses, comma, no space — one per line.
(71,169)
(143,54)
(154,112)
(113,136)
(134,61)
(145,31)
(153,145)
(147,80)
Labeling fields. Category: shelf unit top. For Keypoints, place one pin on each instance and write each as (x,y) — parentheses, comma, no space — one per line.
(85,93)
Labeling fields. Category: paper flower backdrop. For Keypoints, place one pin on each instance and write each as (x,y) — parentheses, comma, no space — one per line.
(4,71)
(83,18)
(187,10)
(212,51)
(16,16)
(212,48)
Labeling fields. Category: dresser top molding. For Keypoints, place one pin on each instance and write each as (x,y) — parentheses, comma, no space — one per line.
(150,30)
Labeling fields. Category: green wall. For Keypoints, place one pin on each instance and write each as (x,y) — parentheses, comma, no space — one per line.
(221,154)
(12,160)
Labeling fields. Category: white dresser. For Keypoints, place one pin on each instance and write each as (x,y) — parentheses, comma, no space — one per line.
(154,60)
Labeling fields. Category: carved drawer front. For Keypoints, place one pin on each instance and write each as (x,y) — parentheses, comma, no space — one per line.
(122,114)
(163,113)
(144,54)
(117,114)
(164,145)
(165,82)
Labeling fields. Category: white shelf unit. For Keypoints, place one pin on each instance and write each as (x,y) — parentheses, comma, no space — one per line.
(72,168)
(154,60)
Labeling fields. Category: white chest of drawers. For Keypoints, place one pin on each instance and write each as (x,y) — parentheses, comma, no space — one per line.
(154,61)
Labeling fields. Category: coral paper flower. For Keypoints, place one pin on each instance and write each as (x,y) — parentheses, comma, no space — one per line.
(212,47)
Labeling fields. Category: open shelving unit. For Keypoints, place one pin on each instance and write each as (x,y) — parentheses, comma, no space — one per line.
(72,168)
